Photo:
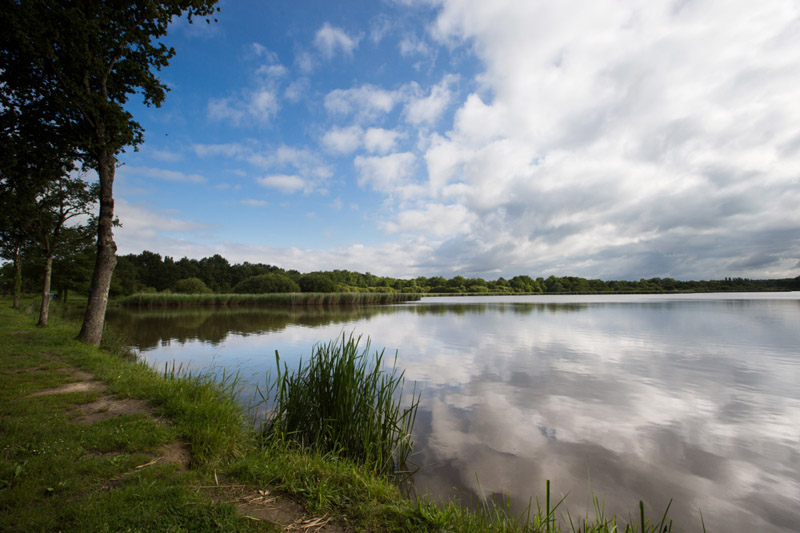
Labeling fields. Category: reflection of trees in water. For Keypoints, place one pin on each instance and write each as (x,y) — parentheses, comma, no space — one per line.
(517,308)
(149,328)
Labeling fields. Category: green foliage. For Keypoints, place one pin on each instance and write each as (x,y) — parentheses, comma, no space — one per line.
(149,298)
(346,402)
(149,269)
(191,286)
(316,282)
(266,283)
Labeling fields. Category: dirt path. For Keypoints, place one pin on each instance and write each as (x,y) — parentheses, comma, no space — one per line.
(255,504)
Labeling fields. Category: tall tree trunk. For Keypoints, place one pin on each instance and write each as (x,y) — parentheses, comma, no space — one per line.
(44,312)
(17,277)
(94,318)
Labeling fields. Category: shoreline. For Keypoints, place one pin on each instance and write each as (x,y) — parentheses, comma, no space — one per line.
(202,416)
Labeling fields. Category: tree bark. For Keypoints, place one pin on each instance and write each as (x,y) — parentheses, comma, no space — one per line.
(44,311)
(94,318)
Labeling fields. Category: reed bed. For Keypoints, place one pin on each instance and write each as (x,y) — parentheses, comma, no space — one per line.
(292,299)
(346,402)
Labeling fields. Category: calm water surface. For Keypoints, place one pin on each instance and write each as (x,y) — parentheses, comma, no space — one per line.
(694,398)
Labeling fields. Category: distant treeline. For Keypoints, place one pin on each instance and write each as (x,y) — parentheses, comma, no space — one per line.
(149,272)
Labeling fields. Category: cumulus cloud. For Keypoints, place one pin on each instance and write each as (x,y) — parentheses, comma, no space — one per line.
(603,139)
(258,106)
(343,140)
(426,110)
(381,141)
(389,173)
(613,140)
(330,39)
(437,220)
(366,102)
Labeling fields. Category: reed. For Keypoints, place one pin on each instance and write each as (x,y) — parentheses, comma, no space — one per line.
(292,299)
(346,402)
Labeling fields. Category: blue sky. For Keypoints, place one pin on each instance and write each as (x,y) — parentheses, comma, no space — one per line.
(607,139)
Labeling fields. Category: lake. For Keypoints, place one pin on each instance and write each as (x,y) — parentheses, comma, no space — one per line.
(694,398)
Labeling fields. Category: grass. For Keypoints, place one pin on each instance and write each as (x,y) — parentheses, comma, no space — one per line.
(344,401)
(294,299)
(56,474)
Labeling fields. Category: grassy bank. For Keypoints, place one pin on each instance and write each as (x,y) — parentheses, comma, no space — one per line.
(63,470)
(295,299)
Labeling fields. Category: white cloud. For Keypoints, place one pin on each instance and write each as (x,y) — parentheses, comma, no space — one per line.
(387,173)
(412,45)
(381,141)
(283,182)
(379,28)
(257,106)
(302,163)
(305,62)
(330,39)
(259,50)
(162,174)
(166,156)
(143,227)
(437,220)
(621,140)
(366,102)
(426,110)
(272,71)
(296,90)
(224,150)
(343,140)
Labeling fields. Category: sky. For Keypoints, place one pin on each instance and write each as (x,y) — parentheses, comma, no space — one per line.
(611,139)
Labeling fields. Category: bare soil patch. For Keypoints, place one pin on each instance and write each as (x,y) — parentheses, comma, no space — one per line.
(265,506)
(78,386)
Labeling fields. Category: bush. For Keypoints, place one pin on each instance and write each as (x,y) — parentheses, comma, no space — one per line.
(316,282)
(191,286)
(266,283)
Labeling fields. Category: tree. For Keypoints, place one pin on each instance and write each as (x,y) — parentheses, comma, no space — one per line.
(316,282)
(266,283)
(16,212)
(79,61)
(34,153)
(62,200)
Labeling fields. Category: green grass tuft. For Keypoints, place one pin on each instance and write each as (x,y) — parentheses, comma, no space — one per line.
(346,402)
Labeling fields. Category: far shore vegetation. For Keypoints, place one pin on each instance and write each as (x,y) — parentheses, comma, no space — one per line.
(72,462)
(150,280)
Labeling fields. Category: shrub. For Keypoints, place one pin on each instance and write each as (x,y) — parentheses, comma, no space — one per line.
(191,286)
(316,282)
(266,283)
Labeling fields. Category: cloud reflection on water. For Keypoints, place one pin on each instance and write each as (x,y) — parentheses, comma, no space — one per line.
(690,399)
